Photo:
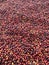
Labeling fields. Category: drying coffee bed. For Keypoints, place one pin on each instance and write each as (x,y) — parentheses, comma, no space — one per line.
(24,32)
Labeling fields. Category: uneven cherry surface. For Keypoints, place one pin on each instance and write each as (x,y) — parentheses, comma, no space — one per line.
(24,32)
